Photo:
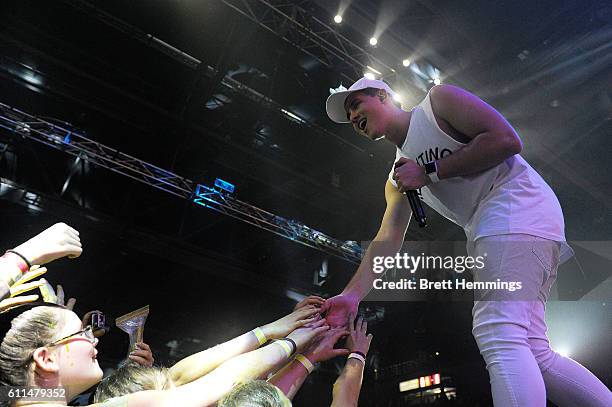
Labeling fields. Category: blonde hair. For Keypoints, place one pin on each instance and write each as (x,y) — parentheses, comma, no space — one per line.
(131,378)
(29,330)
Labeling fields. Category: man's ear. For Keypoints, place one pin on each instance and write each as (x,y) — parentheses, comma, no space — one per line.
(382,94)
(45,360)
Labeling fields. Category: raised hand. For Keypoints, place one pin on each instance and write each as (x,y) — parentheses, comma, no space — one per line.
(358,340)
(322,347)
(287,324)
(58,241)
(142,354)
(304,335)
(310,300)
(337,309)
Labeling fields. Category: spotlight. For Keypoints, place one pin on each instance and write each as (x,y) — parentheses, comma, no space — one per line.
(563,352)
(369,75)
(437,81)
(406,62)
(397,97)
(338,19)
(376,71)
(373,41)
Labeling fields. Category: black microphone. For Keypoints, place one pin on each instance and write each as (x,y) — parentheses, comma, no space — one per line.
(417,207)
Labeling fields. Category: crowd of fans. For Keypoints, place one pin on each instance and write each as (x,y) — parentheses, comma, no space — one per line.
(47,346)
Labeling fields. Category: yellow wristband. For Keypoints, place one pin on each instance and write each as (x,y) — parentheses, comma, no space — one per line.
(285,347)
(260,336)
(305,362)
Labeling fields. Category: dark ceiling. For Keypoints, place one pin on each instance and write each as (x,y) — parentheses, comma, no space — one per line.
(545,65)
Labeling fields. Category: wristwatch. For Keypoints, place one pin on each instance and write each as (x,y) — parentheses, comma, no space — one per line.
(431,169)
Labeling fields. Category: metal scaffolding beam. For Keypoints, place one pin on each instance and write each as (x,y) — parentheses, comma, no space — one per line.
(306,32)
(21,124)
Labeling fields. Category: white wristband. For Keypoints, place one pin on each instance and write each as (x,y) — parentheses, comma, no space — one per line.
(357,356)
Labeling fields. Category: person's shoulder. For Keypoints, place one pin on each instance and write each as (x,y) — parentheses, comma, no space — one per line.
(445,92)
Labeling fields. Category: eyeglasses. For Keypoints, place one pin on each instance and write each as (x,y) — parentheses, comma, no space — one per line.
(86,333)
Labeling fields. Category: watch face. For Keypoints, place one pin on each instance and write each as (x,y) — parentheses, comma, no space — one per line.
(430,167)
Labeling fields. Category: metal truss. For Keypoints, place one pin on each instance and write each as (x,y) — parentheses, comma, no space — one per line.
(306,32)
(70,142)
(289,229)
(30,127)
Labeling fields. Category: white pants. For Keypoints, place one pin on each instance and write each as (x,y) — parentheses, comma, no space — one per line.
(510,329)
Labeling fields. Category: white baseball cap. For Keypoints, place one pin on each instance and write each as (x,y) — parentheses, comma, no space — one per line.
(335,102)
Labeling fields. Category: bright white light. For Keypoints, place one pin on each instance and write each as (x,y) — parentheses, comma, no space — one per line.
(373,41)
(406,62)
(563,352)
(338,19)
(437,81)
(398,98)
(373,70)
(293,116)
(369,75)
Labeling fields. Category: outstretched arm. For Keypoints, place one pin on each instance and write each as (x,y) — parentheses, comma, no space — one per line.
(201,363)
(387,242)
(290,378)
(348,385)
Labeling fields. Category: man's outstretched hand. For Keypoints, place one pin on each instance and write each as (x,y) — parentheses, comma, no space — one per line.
(337,309)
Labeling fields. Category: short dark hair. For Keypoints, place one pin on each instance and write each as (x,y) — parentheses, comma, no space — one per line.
(131,378)
(256,393)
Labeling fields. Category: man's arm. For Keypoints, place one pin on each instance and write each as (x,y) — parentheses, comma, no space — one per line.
(387,242)
(492,138)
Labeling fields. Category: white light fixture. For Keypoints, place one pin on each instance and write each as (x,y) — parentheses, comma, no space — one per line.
(369,75)
(397,97)
(293,116)
(563,352)
(406,62)
(373,70)
(338,19)
(373,41)
(437,81)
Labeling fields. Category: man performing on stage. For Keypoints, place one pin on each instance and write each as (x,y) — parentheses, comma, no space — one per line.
(463,156)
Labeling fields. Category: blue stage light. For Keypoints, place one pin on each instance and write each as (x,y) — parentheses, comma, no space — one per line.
(224,185)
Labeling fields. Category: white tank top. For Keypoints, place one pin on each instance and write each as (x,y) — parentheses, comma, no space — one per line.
(508,198)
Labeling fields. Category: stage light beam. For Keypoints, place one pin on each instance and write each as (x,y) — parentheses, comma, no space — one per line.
(338,19)
(373,41)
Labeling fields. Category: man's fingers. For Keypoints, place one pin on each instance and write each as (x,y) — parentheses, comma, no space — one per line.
(401,161)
